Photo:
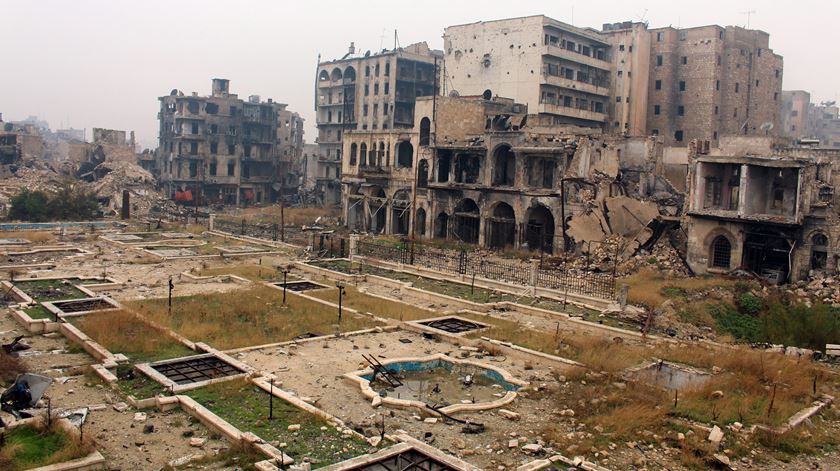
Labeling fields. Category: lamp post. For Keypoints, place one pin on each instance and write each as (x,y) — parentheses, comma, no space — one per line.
(340,287)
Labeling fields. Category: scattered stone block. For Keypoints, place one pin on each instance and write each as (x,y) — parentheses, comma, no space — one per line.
(293,427)
(716,436)
(510,415)
(120,407)
(197,442)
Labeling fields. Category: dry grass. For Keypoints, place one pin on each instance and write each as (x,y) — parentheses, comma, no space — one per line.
(248,271)
(291,216)
(249,317)
(646,286)
(376,306)
(36,237)
(124,332)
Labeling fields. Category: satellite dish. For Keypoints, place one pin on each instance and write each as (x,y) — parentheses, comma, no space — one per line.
(768,126)
(454,94)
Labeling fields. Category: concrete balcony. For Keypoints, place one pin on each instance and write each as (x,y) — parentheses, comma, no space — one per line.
(572,112)
(563,82)
(556,51)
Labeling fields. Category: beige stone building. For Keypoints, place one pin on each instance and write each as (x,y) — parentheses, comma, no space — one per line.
(373,92)
(562,73)
(711,81)
(796,114)
(757,205)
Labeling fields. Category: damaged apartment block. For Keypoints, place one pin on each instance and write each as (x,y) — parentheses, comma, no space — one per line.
(763,207)
(222,149)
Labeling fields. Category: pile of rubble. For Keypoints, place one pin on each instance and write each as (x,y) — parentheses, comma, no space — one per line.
(112,177)
(821,288)
(663,257)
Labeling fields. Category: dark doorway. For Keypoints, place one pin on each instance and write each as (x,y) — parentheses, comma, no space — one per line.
(539,232)
(467,221)
(768,255)
(502,227)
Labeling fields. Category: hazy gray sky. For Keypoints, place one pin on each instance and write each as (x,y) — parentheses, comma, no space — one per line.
(85,63)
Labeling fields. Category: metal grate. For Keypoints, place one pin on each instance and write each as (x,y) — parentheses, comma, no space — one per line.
(721,252)
(195,370)
(82,305)
(453,325)
(414,460)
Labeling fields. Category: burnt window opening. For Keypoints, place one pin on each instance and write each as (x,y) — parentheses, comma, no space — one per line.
(714,193)
(405,154)
(363,155)
(721,252)
(212,169)
(442,226)
(193,148)
(211,108)
(192,107)
(214,147)
(502,227)
(467,168)
(504,166)
(231,168)
(423,174)
(425,131)
(353,152)
(231,149)
(193,169)
(420,222)
(466,221)
(819,252)
(443,165)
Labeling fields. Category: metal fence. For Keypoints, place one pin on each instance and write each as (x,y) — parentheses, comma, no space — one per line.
(585,282)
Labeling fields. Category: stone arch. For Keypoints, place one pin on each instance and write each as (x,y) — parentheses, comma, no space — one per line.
(336,75)
(425,131)
(324,76)
(378,206)
(405,154)
(400,205)
(504,166)
(819,250)
(501,226)
(353,151)
(539,230)
(466,221)
(349,75)
(720,252)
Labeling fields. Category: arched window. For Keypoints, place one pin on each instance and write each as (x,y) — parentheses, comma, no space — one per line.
(819,251)
(380,155)
(324,76)
(425,131)
(349,75)
(504,166)
(721,252)
(353,151)
(423,174)
(363,155)
(405,154)
(420,222)
(336,75)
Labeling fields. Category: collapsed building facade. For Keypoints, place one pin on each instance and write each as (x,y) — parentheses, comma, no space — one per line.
(759,205)
(481,170)
(222,149)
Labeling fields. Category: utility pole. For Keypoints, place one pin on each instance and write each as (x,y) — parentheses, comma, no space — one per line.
(749,14)
(171,287)
(340,287)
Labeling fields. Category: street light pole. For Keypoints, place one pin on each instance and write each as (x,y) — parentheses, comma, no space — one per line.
(340,287)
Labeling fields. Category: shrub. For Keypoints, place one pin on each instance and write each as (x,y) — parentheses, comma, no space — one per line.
(800,325)
(749,303)
(730,321)
(72,201)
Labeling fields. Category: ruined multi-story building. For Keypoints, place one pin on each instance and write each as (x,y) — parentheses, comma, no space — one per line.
(711,81)
(796,114)
(368,92)
(561,72)
(289,150)
(756,204)
(484,171)
(219,148)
